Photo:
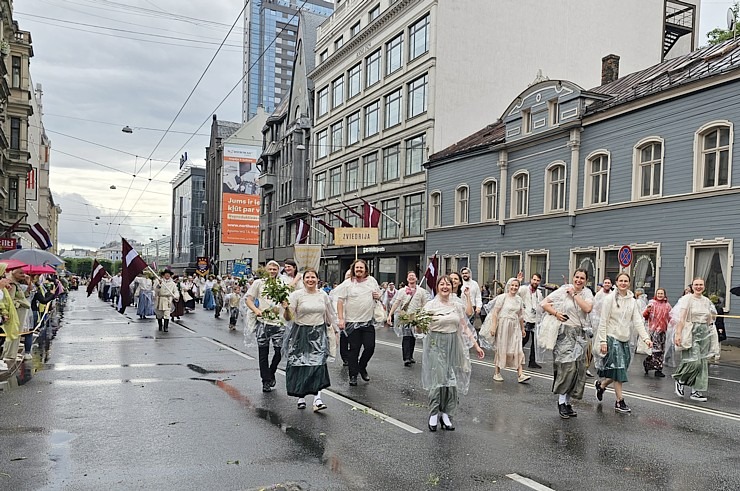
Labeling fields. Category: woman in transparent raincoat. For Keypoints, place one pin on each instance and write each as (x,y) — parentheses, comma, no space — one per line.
(695,336)
(446,359)
(621,316)
(570,304)
(504,328)
(657,314)
(309,341)
(406,300)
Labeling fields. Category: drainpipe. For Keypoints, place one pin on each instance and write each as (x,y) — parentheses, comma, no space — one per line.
(575,156)
(503,163)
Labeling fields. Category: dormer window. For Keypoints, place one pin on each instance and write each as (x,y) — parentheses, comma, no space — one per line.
(526,121)
(553,110)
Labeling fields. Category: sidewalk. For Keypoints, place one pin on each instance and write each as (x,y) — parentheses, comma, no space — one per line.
(730,353)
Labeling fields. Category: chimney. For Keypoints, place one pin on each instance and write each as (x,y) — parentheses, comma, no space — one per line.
(609,69)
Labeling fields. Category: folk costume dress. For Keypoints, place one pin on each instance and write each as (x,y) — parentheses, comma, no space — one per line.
(505,319)
(208,302)
(309,342)
(145,305)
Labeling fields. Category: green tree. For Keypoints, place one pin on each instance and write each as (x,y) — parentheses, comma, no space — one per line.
(719,35)
(107,264)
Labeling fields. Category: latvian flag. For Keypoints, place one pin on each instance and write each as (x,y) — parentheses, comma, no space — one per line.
(98,272)
(40,235)
(132,265)
(432,274)
(370,215)
(303,230)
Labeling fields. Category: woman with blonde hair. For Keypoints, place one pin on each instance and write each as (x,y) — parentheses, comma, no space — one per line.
(504,327)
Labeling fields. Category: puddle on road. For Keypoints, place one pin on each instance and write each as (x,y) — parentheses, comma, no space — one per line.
(315,446)
(203,371)
(59,451)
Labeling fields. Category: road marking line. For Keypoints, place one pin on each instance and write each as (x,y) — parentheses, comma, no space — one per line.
(184,326)
(664,402)
(528,482)
(64,367)
(228,348)
(726,380)
(83,383)
(366,409)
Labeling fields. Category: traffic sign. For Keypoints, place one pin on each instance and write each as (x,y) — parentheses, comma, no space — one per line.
(625,256)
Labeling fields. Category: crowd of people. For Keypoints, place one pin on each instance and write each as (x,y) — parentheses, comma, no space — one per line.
(308,322)
(28,303)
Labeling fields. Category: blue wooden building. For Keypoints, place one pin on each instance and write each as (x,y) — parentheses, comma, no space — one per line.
(568,176)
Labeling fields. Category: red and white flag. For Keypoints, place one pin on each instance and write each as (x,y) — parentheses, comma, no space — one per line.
(431,274)
(40,235)
(370,215)
(98,272)
(304,229)
(131,266)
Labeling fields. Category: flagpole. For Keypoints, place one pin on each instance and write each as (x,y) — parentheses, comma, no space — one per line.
(380,211)
(349,207)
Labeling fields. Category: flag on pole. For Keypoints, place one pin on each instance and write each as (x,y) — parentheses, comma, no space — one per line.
(370,215)
(431,274)
(40,235)
(324,224)
(12,228)
(303,231)
(98,272)
(344,222)
(131,266)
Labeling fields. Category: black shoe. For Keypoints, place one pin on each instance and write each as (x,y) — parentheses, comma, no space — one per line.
(412,360)
(451,427)
(345,363)
(599,391)
(570,410)
(407,363)
(533,364)
(266,387)
(364,375)
(353,380)
(563,411)
(273,382)
(432,428)
(659,374)
(645,366)
(622,407)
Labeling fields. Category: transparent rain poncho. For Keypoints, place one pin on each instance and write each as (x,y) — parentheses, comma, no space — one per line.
(446,358)
(249,320)
(502,328)
(570,344)
(694,317)
(310,342)
(407,302)
(624,312)
(361,292)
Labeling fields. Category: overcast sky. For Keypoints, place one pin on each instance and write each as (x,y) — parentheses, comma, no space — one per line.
(96,81)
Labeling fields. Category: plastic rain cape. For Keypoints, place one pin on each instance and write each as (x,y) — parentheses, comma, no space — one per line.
(312,346)
(419,299)
(502,311)
(701,311)
(446,358)
(11,326)
(248,320)
(612,360)
(571,340)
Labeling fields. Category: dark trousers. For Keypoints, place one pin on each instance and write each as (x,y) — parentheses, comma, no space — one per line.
(407,347)
(364,338)
(344,347)
(529,327)
(267,369)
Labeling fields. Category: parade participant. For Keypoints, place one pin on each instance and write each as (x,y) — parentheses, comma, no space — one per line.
(409,299)
(218,297)
(233,304)
(570,304)
(595,318)
(165,293)
(145,305)
(532,313)
(457,289)
(388,296)
(269,331)
(505,324)
(356,299)
(188,293)
(657,315)
(17,289)
(41,296)
(290,275)
(115,288)
(621,315)
(178,303)
(446,364)
(475,294)
(310,341)
(719,323)
(695,314)
(208,302)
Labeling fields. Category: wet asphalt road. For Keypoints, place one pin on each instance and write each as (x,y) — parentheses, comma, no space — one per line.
(121,406)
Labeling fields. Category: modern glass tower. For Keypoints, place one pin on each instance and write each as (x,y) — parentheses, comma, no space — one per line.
(270,28)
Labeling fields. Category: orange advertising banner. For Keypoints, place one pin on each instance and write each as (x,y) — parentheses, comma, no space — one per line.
(240,219)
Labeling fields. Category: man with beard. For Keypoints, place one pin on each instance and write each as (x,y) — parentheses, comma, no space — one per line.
(532,298)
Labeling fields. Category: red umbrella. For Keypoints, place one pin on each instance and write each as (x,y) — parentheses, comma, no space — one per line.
(29,269)
(12,264)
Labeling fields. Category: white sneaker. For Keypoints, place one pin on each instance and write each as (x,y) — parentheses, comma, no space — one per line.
(3,366)
(27,356)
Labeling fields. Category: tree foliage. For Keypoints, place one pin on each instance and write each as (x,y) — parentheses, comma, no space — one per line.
(719,35)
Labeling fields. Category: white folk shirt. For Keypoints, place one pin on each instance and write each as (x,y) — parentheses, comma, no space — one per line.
(532,301)
(415,301)
(475,295)
(116,282)
(357,299)
(256,291)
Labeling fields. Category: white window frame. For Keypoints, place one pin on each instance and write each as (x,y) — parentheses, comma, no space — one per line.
(337,88)
(549,187)
(394,47)
(692,245)
(502,264)
(322,150)
(367,119)
(513,212)
(336,130)
(698,153)
(483,201)
(458,210)
(353,136)
(322,97)
(528,264)
(637,167)
(587,177)
(355,71)
(433,215)
(572,266)
(481,257)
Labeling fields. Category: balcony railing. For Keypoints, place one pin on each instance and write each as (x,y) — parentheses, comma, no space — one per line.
(267,180)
